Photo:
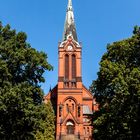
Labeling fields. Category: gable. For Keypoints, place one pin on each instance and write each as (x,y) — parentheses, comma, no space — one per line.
(69,41)
(86,93)
(69,116)
(52,94)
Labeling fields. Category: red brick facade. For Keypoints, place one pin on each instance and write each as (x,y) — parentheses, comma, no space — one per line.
(72,101)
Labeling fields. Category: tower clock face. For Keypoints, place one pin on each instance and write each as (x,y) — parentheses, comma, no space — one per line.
(70,47)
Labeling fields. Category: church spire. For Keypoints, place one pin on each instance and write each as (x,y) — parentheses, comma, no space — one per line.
(69,26)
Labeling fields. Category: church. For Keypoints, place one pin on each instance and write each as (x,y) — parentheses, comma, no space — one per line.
(73,103)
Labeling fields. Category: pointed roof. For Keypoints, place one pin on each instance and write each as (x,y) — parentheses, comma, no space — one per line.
(69,26)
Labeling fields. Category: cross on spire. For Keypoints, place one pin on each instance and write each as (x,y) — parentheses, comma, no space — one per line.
(69,26)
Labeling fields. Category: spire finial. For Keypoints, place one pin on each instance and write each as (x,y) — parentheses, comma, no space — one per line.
(69,27)
(69,3)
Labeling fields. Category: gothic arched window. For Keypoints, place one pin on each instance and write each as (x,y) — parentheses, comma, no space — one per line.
(84,131)
(73,66)
(67,108)
(72,107)
(88,130)
(66,66)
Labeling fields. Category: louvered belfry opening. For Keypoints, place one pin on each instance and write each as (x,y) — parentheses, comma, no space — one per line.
(73,67)
(66,67)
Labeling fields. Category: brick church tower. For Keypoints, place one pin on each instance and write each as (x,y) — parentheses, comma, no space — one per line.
(72,101)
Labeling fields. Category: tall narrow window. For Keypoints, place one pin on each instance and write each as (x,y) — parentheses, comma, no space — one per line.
(73,66)
(88,130)
(72,107)
(66,67)
(79,111)
(67,108)
(84,131)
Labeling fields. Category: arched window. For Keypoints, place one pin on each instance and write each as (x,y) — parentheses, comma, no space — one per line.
(72,107)
(73,66)
(84,131)
(67,108)
(88,130)
(60,110)
(79,111)
(67,66)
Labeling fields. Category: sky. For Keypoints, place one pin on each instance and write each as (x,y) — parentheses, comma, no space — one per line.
(98,22)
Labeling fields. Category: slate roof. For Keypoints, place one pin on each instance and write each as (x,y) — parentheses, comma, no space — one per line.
(86,110)
(69,26)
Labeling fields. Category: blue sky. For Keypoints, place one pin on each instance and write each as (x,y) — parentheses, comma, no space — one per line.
(98,22)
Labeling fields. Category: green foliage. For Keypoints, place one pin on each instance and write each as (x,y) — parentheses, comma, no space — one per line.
(117,90)
(22,112)
(49,125)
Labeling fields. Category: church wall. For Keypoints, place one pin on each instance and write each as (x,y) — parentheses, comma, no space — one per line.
(70,98)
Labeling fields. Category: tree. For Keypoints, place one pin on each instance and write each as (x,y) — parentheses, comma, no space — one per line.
(49,124)
(22,112)
(117,90)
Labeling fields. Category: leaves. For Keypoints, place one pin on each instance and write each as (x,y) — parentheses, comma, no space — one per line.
(117,90)
(23,114)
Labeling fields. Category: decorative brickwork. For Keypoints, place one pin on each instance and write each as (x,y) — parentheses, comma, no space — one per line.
(72,101)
